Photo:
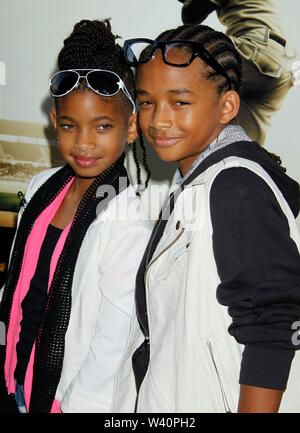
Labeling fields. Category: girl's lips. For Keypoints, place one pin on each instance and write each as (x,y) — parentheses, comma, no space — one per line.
(85,162)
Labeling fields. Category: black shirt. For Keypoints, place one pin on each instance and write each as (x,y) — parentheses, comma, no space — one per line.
(33,305)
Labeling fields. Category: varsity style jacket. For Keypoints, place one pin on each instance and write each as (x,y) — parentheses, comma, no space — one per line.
(218,291)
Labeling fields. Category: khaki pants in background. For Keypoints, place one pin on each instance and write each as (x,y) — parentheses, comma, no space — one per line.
(255,29)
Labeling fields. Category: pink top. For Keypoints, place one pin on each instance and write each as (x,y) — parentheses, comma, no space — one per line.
(30,258)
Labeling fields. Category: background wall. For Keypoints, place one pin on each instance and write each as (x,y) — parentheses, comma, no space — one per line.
(32,34)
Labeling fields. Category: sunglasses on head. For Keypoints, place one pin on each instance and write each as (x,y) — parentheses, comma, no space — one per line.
(178,53)
(102,82)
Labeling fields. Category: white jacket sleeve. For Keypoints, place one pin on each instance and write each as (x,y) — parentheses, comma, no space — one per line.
(92,388)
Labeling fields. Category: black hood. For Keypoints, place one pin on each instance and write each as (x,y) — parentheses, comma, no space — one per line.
(253,151)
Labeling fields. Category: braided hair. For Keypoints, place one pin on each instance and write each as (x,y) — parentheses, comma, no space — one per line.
(219,46)
(224,52)
(92,45)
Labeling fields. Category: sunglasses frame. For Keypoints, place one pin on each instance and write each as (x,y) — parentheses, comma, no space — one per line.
(120,83)
(198,51)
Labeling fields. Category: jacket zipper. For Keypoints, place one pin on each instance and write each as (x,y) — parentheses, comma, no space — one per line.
(145,273)
(224,398)
(137,313)
(148,266)
(162,252)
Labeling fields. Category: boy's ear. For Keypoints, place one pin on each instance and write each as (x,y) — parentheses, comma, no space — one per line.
(53,117)
(132,128)
(230,106)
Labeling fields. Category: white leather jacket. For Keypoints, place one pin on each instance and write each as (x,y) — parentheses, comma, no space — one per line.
(194,362)
(102,300)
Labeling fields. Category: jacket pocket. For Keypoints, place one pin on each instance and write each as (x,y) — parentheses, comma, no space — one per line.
(215,367)
(163,259)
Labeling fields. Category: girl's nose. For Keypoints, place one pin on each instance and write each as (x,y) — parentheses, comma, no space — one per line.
(84,141)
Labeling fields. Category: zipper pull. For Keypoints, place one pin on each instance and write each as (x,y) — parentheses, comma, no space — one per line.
(22,199)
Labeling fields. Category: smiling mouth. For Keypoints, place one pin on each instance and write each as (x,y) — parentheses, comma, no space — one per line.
(165,141)
(85,162)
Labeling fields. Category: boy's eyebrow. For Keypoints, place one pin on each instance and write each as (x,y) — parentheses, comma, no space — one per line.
(141,92)
(179,91)
(172,91)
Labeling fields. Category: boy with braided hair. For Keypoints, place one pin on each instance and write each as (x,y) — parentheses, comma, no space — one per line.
(218,288)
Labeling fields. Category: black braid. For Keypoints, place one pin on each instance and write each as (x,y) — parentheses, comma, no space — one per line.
(218,45)
(138,168)
(144,163)
(275,158)
(92,45)
(144,160)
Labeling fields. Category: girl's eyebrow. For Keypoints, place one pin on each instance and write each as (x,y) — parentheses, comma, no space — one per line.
(100,118)
(65,118)
(97,119)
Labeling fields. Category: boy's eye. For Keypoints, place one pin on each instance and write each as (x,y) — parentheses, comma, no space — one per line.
(104,126)
(144,103)
(182,103)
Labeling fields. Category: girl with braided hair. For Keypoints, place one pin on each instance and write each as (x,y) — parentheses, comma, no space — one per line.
(68,298)
(218,288)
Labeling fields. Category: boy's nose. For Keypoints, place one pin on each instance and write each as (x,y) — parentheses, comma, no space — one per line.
(161,119)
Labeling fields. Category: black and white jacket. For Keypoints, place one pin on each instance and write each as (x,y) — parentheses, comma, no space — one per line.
(222,290)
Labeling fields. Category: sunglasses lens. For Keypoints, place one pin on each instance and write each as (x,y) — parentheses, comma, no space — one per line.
(105,83)
(138,52)
(63,82)
(178,54)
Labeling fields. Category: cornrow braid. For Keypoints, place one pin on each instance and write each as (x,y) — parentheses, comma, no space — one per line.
(92,45)
(138,168)
(144,163)
(144,160)
(218,45)
(275,158)
(222,49)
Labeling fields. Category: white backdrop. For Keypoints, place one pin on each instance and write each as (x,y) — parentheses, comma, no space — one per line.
(32,34)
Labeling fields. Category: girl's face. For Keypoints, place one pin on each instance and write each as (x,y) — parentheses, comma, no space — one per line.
(92,131)
(180,113)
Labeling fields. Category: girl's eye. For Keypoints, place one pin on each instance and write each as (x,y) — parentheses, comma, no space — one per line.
(67,126)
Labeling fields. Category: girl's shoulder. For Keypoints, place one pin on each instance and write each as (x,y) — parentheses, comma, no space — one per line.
(126,209)
(38,180)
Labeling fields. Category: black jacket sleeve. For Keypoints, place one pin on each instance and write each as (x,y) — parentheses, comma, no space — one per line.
(259,268)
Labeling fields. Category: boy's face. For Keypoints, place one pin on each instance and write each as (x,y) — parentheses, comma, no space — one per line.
(92,131)
(180,113)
